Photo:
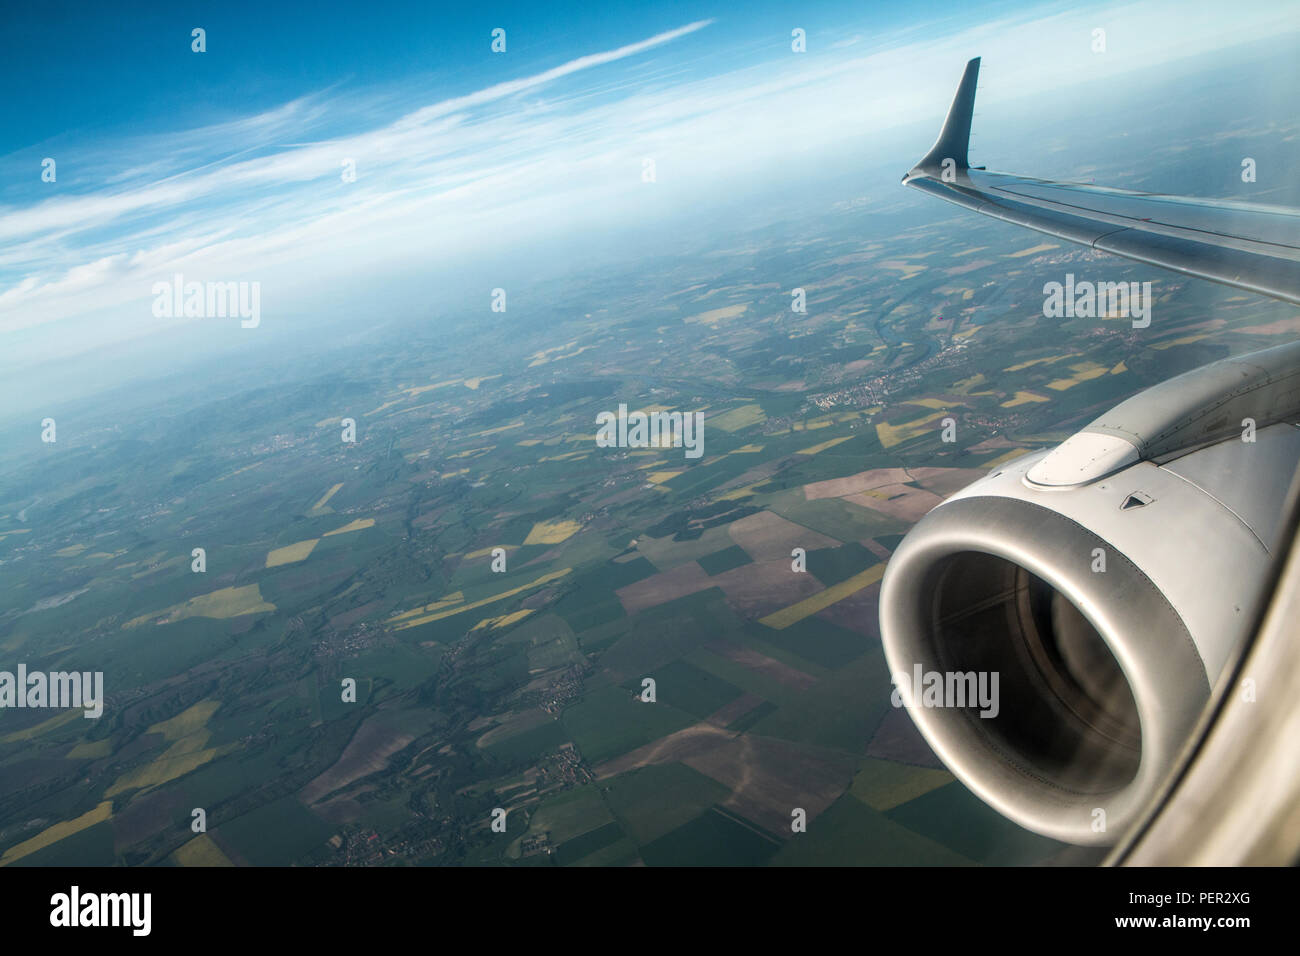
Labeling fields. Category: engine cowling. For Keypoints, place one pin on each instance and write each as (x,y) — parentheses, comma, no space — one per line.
(1107,584)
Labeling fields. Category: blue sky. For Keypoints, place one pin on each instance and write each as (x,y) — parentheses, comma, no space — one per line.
(264,54)
(226,165)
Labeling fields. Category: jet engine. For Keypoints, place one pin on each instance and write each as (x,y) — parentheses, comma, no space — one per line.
(1107,582)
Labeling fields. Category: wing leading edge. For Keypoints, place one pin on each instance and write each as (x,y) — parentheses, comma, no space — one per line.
(1245,245)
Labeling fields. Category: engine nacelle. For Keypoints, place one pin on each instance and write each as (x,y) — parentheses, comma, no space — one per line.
(1107,584)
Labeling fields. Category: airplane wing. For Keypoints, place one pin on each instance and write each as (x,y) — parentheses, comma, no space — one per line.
(1245,245)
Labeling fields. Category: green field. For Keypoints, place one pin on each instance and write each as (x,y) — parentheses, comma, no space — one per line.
(688,688)
(714,838)
(655,800)
(612,721)
(278,832)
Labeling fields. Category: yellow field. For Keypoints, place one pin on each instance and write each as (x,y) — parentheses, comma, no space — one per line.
(470,452)
(291,553)
(554,348)
(415,390)
(448,612)
(484,552)
(1185,340)
(823,599)
(54,834)
(1033,250)
(891,435)
(240,471)
(36,730)
(558,358)
(438,605)
(908,269)
(503,620)
(831,418)
(189,744)
(883,785)
(817,449)
(201,851)
(738,418)
(165,769)
(222,604)
(1083,372)
(188,751)
(659,477)
(566,456)
(5,534)
(187,721)
(326,497)
(552,532)
(575,352)
(1041,361)
(1024,398)
(360,524)
(714,316)
(91,751)
(71,551)
(499,428)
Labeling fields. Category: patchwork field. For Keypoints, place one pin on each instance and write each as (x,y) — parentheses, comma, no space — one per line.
(460,609)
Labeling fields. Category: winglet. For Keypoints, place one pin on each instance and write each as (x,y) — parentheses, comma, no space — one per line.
(954,139)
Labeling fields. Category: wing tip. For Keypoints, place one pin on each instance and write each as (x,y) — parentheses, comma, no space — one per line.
(954,138)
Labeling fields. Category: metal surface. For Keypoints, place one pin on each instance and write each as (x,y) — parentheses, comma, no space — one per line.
(1082,458)
(1236,799)
(1260,502)
(1186,547)
(1035,762)
(1209,403)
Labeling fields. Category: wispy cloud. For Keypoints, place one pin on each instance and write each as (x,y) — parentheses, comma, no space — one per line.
(264,192)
